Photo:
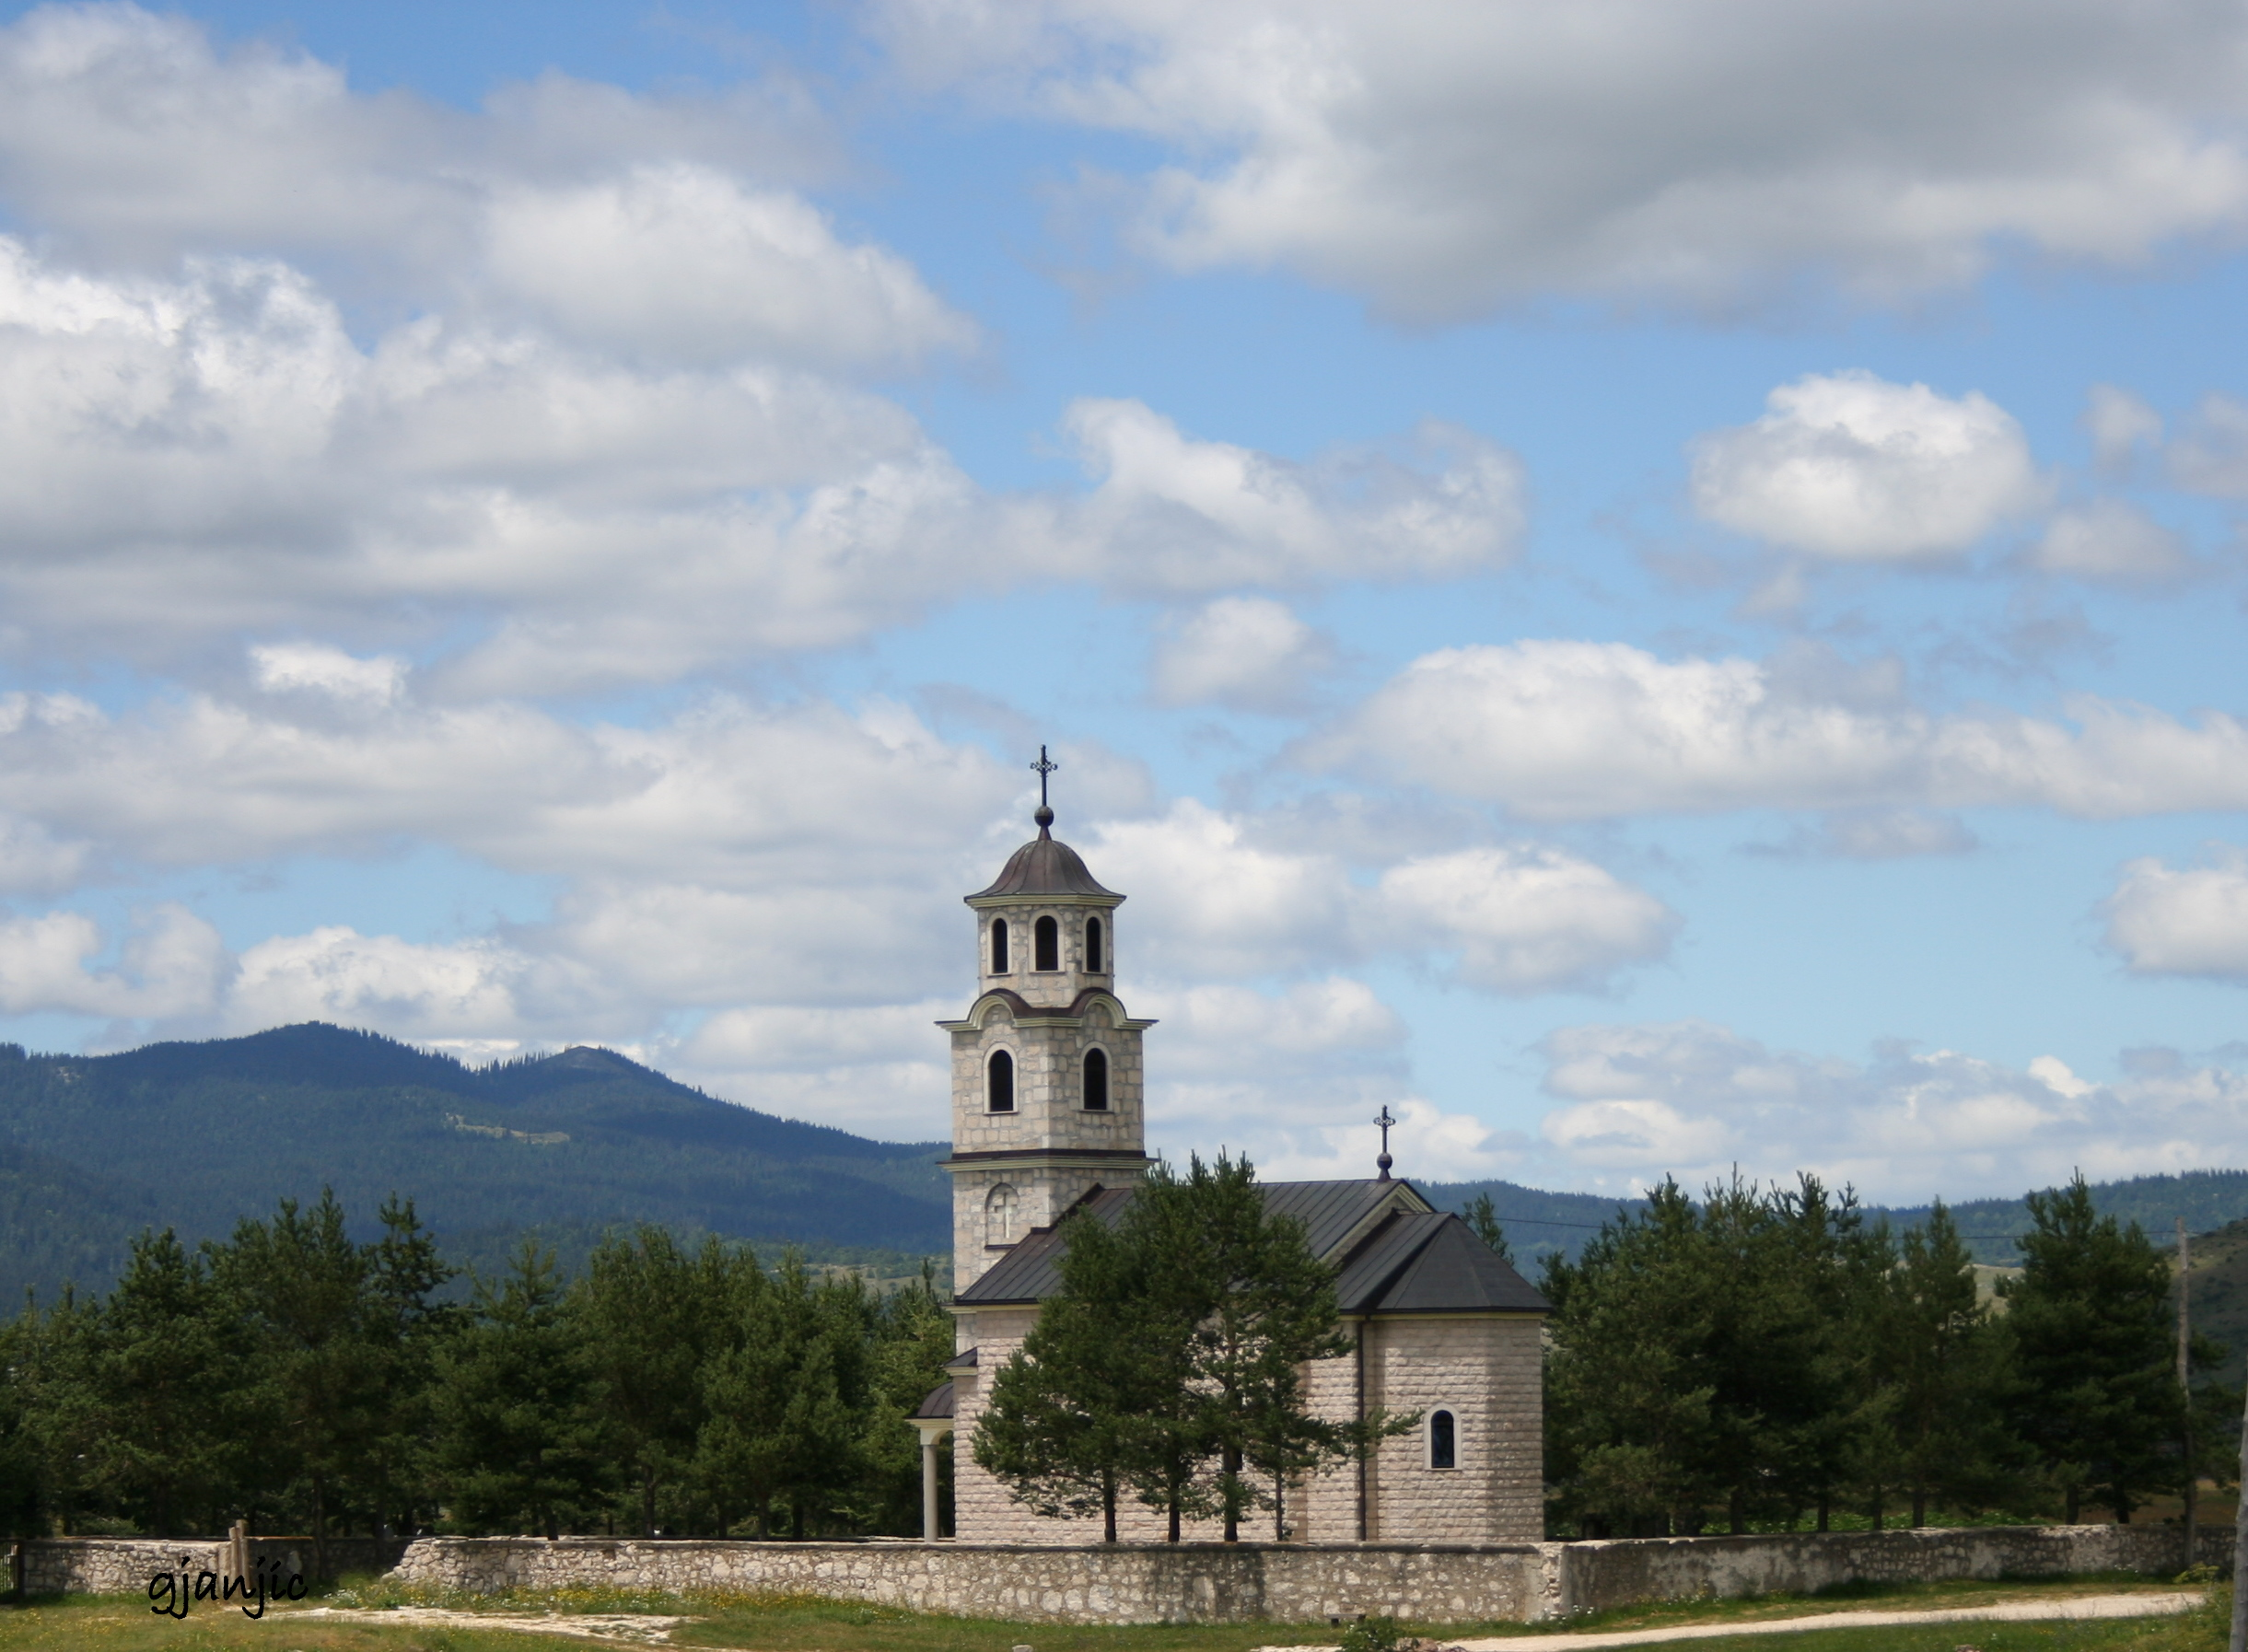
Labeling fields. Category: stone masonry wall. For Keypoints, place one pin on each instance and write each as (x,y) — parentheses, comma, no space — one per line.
(111,1566)
(1135,1584)
(1591,1576)
(1434,1583)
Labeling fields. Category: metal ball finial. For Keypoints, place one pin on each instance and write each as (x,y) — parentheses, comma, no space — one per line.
(1044,817)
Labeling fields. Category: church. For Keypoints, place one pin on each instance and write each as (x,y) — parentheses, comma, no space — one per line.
(1047,1118)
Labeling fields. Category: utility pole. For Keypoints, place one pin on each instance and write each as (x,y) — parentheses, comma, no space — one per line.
(2186,1386)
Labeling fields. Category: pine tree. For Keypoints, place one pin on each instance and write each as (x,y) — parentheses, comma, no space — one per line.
(163,1391)
(2089,1319)
(517,1446)
(1946,1367)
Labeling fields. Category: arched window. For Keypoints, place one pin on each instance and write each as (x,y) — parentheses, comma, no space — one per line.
(1443,1440)
(999,946)
(999,1216)
(1096,1081)
(1046,944)
(999,1082)
(1093,965)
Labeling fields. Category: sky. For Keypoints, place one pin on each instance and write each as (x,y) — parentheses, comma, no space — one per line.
(1654,584)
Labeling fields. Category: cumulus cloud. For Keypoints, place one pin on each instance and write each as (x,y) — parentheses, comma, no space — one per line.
(1569,730)
(2110,539)
(189,459)
(1507,918)
(169,965)
(1695,1099)
(1442,161)
(1855,469)
(282,666)
(1250,653)
(686,263)
(2168,920)
(1175,514)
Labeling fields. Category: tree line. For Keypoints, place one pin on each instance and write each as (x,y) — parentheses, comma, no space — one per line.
(1767,1357)
(305,1381)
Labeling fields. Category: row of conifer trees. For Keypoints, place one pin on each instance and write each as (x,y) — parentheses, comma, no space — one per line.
(310,1383)
(1765,1356)
(1759,1357)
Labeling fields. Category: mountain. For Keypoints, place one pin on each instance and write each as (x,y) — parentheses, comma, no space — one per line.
(1538,1222)
(198,1135)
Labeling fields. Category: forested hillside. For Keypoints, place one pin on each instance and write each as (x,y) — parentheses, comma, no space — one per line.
(198,1135)
(1540,1223)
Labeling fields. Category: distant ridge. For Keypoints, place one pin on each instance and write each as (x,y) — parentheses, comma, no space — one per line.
(197,1135)
(1539,1222)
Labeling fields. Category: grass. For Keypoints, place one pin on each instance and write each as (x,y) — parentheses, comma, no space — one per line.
(809,1623)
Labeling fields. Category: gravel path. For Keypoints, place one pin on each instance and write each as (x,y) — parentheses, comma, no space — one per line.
(2012,1611)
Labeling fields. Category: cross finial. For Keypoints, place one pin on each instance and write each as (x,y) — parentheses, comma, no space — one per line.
(1045,766)
(1383,1119)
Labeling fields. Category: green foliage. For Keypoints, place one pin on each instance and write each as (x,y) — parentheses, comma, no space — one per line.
(1483,1216)
(307,1381)
(1372,1634)
(2091,1321)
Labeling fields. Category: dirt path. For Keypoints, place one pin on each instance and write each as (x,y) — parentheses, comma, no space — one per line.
(2010,1611)
(635,1629)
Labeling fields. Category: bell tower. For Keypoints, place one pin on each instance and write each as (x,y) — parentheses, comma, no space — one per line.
(1046,1075)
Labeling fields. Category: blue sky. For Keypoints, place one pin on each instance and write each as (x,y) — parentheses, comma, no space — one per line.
(1654,587)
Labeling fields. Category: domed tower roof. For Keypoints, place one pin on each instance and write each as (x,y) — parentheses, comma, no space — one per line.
(1044,866)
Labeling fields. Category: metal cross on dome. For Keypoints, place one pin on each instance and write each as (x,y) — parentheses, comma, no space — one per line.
(1044,765)
(1383,1119)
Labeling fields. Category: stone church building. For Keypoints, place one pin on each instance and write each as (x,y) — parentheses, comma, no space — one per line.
(1047,1116)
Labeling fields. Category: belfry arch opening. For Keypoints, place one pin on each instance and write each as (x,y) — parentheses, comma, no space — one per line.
(1046,944)
(1095,958)
(999,1082)
(1096,1081)
(999,947)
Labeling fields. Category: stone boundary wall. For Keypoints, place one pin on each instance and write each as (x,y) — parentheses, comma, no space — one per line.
(1190,1583)
(1591,1576)
(120,1565)
(1136,1583)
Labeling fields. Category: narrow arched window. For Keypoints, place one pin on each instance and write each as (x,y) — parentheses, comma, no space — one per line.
(999,946)
(1093,965)
(1046,944)
(999,1216)
(1096,1081)
(999,1082)
(1443,1440)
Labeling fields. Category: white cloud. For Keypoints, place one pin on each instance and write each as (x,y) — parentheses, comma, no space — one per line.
(1172,514)
(1527,919)
(1563,730)
(685,263)
(2168,920)
(1443,160)
(169,965)
(1516,918)
(1250,653)
(2110,539)
(1856,469)
(281,667)
(1695,1099)
(337,974)
(183,460)
(2120,424)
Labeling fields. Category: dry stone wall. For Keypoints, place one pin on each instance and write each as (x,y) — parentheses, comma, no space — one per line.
(111,1565)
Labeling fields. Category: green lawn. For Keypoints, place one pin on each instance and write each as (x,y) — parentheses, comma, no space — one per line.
(802,1624)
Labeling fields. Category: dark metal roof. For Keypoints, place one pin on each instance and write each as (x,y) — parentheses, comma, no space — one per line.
(1413,1261)
(938,1403)
(1432,1263)
(1044,866)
